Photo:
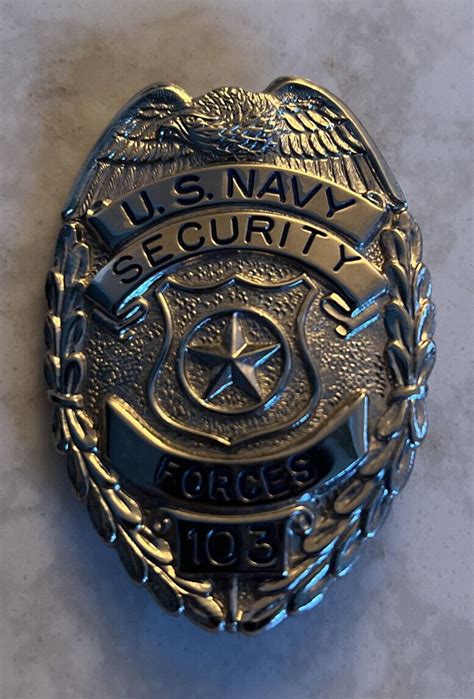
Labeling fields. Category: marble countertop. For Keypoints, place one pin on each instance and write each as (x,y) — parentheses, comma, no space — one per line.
(72,625)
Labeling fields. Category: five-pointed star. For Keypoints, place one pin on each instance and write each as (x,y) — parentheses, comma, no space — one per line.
(235,361)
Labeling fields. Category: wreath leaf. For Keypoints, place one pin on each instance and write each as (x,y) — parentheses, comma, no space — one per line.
(77,470)
(312,592)
(100,514)
(116,516)
(166,594)
(131,557)
(205,611)
(157,549)
(265,612)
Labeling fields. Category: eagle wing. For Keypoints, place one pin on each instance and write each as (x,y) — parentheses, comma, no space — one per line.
(319,131)
(135,136)
(130,145)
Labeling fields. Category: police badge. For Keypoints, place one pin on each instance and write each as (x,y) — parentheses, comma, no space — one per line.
(239,335)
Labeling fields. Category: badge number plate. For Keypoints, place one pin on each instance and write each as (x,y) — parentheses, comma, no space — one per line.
(231,548)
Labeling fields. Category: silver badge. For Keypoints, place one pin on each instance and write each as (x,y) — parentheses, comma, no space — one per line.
(239,336)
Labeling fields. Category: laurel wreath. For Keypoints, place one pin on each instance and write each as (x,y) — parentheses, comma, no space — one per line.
(117,517)
(356,514)
(331,543)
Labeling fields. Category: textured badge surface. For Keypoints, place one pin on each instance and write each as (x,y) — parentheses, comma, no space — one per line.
(239,335)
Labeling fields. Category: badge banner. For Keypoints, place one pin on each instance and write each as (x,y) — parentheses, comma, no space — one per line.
(132,271)
(296,193)
(138,454)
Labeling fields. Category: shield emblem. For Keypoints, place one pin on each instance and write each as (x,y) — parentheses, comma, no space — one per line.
(233,350)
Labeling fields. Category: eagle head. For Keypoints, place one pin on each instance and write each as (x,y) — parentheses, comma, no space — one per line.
(227,122)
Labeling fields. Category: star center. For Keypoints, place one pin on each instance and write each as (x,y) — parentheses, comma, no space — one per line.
(234,362)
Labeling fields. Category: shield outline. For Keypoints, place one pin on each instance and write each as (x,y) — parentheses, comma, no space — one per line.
(308,361)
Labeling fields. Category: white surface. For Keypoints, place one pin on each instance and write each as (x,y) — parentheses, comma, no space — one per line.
(72,624)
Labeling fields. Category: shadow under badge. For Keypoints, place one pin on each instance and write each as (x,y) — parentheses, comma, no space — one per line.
(239,336)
